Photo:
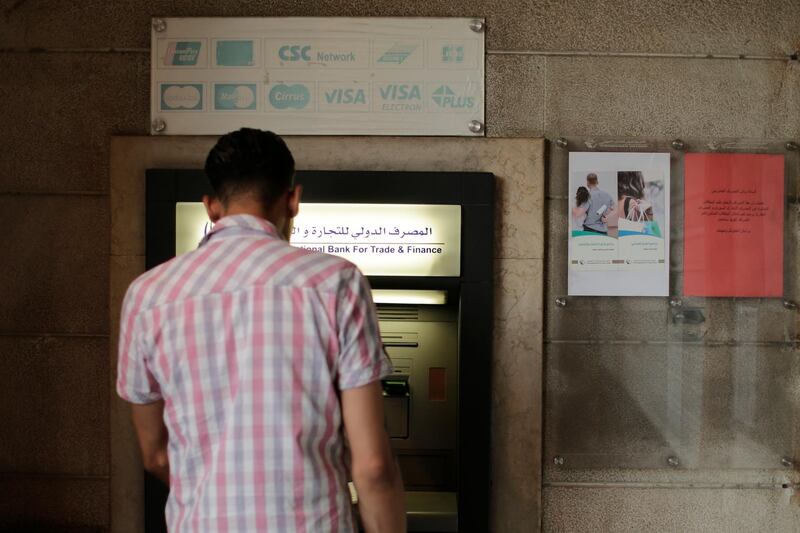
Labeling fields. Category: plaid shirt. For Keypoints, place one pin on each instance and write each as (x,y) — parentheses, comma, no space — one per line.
(248,341)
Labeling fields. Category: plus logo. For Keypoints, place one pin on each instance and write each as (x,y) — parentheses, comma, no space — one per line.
(446,98)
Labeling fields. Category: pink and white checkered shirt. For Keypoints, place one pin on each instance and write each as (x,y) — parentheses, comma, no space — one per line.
(248,341)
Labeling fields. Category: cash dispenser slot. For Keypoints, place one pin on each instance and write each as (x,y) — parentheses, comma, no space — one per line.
(396,400)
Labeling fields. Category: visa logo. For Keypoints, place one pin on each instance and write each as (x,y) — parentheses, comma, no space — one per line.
(401,92)
(346,96)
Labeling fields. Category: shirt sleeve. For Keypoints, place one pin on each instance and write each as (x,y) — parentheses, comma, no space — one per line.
(135,382)
(362,358)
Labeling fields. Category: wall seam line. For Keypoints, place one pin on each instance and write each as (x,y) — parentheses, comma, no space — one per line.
(686,485)
(652,55)
(554,53)
(55,335)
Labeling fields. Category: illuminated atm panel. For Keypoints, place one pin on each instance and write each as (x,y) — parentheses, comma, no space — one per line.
(424,240)
(382,240)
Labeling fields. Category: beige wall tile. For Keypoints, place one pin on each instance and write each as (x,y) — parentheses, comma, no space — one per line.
(651,97)
(62,108)
(55,273)
(679,510)
(53,504)
(516,395)
(720,27)
(515,96)
(55,406)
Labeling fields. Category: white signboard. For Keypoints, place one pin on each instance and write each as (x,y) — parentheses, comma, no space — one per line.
(619,224)
(381,239)
(317,76)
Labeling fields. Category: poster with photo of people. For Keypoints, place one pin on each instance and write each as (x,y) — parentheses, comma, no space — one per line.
(618,224)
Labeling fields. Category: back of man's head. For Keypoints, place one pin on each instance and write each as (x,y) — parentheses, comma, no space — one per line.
(250,162)
(591,179)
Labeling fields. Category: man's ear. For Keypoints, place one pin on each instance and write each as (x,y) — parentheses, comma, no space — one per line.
(294,200)
(213,208)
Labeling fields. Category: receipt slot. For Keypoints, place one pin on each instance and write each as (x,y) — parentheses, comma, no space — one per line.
(425,242)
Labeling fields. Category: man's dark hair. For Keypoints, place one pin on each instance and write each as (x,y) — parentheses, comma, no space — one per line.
(250,161)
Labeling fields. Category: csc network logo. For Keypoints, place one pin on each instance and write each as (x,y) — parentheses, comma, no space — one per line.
(295,52)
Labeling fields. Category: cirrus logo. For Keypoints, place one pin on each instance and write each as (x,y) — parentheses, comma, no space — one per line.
(295,96)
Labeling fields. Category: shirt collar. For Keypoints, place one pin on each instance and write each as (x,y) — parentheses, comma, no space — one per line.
(246,222)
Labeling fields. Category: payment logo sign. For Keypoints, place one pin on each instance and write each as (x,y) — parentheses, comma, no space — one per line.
(181,97)
(343,96)
(182,53)
(295,52)
(235,54)
(397,54)
(403,97)
(452,53)
(317,53)
(446,98)
(235,97)
(295,96)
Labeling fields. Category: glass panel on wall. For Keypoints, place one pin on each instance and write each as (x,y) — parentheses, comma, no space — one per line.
(705,376)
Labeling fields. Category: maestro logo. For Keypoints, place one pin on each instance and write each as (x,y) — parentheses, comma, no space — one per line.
(235,96)
(446,98)
(294,96)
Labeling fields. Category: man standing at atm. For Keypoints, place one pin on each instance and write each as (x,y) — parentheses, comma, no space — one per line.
(247,361)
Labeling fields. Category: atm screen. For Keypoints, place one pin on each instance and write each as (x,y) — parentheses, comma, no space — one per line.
(381,239)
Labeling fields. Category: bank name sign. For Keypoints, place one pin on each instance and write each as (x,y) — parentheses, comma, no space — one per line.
(318,76)
(381,239)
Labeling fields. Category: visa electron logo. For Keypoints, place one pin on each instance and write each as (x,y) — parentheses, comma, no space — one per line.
(295,96)
(397,53)
(182,53)
(303,52)
(401,97)
(445,97)
(346,96)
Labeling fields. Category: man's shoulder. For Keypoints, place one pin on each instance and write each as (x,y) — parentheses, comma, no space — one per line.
(143,286)
(319,269)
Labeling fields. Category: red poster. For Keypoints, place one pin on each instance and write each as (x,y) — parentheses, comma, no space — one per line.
(733,225)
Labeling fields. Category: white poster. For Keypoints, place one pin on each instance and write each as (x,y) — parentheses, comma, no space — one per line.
(618,224)
(317,76)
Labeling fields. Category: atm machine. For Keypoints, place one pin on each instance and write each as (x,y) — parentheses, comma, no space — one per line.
(425,242)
